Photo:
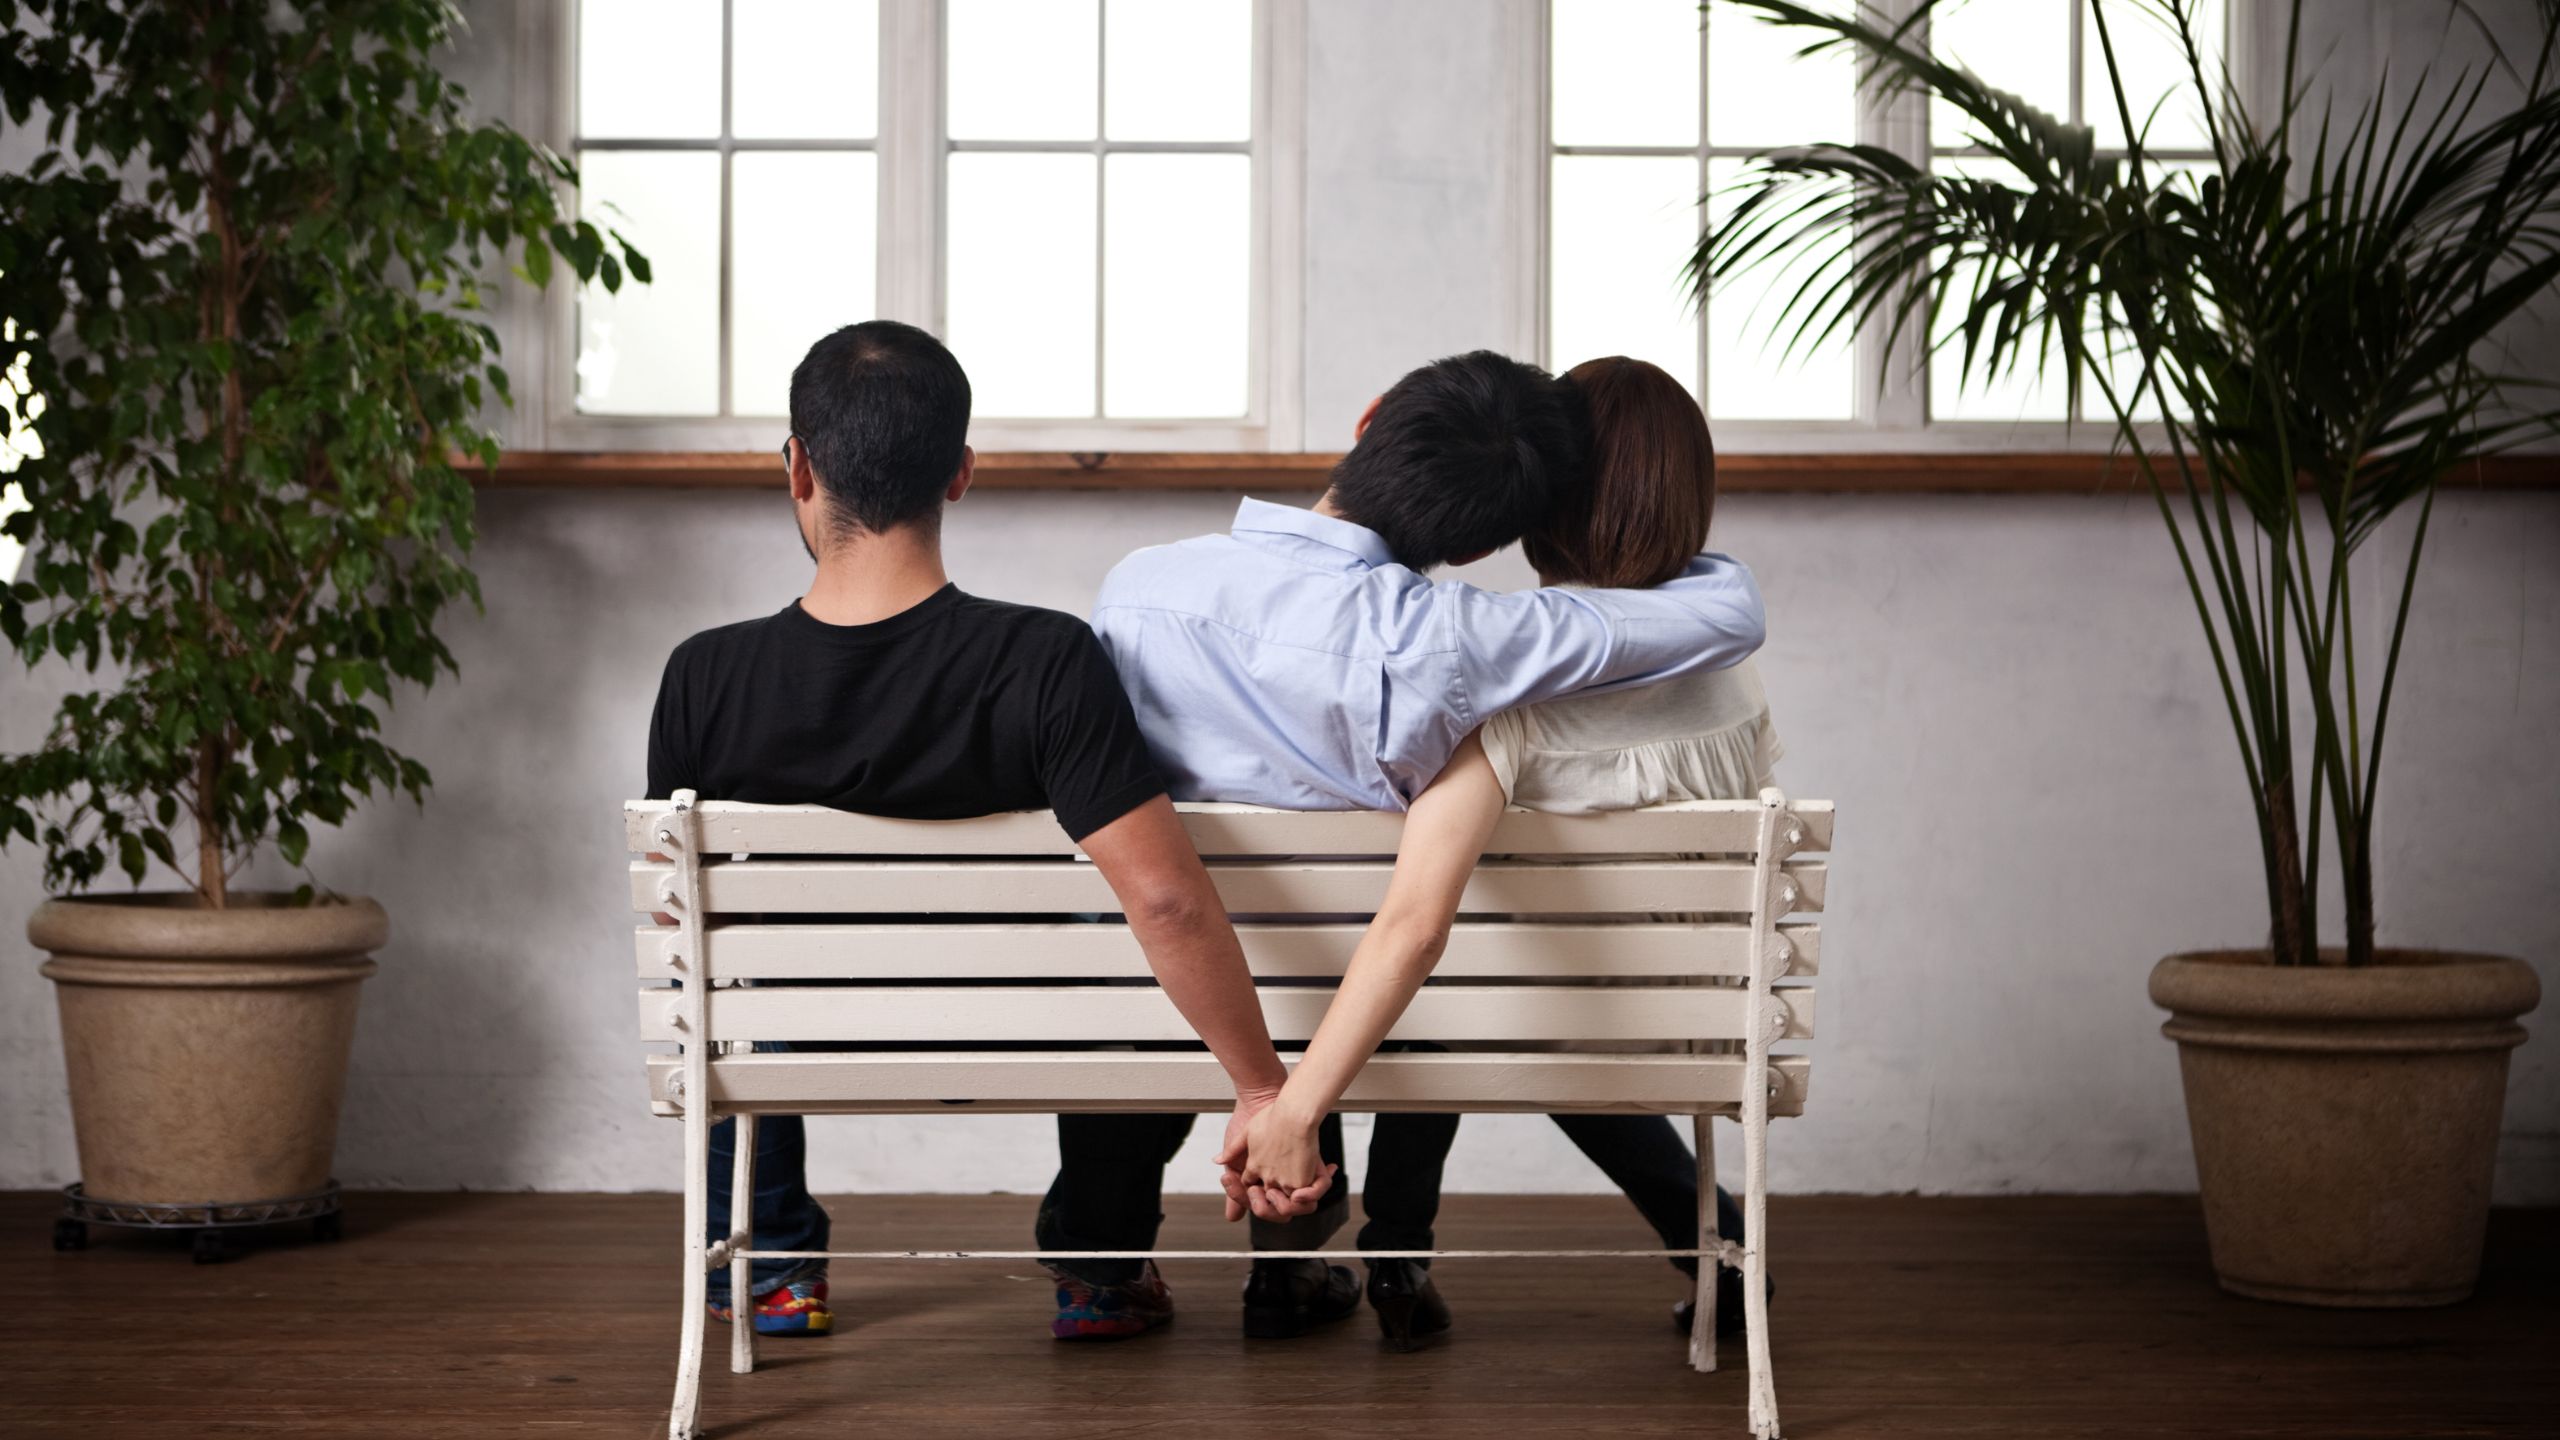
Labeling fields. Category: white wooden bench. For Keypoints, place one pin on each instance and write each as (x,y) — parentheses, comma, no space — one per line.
(785,895)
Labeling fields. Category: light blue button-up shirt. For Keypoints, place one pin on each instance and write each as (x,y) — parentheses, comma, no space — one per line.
(1294,663)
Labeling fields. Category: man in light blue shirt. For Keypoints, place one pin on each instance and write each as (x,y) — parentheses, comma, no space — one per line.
(1295,662)
(1307,660)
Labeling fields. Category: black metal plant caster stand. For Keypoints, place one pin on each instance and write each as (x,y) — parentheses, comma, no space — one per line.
(214,1224)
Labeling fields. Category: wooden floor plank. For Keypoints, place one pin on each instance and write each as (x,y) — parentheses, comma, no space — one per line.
(553,1315)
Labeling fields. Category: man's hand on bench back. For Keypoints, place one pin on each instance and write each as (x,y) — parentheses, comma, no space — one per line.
(1178,919)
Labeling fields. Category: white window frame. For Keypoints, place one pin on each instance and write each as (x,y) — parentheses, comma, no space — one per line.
(1891,406)
(912,146)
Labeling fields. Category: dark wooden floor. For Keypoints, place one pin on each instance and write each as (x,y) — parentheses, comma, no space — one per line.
(554,1315)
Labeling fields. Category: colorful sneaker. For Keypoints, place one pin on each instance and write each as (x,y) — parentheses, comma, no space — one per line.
(1110,1312)
(799,1308)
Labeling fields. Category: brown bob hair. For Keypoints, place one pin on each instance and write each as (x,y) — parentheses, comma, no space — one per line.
(1649,484)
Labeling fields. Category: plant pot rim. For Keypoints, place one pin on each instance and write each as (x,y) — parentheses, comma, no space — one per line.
(174,926)
(2404,985)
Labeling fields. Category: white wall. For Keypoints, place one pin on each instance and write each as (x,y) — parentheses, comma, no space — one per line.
(2007,698)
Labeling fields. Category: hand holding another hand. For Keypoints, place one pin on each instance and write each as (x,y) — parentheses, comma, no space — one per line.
(1270,1164)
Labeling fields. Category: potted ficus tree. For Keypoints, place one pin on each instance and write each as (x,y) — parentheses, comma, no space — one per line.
(2294,346)
(245,273)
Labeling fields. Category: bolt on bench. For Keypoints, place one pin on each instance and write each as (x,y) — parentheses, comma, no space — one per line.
(1675,912)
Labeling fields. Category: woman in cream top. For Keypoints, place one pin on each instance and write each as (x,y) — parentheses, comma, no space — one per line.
(1699,737)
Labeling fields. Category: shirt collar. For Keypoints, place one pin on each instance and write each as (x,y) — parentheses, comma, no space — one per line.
(1355,542)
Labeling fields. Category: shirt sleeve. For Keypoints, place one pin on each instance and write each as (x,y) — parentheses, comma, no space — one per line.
(1531,645)
(671,757)
(1094,763)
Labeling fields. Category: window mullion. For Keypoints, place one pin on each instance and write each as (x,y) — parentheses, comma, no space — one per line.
(909,285)
(1893,378)
(728,224)
(1101,229)
(1706,171)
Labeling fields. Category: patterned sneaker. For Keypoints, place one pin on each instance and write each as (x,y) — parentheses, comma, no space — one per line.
(799,1308)
(1110,1312)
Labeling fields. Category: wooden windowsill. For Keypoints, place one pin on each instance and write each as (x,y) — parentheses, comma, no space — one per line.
(1903,473)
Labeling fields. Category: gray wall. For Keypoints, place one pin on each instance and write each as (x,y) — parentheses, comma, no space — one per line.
(2006,697)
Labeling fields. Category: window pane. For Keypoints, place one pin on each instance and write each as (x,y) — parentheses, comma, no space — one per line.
(654,349)
(1021,313)
(1023,69)
(804,230)
(1621,228)
(1760,94)
(2022,46)
(1753,373)
(1961,392)
(2157,84)
(1178,69)
(649,69)
(1177,283)
(2123,355)
(1626,72)
(804,69)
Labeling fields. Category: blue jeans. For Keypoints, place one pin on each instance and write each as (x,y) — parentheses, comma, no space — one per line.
(787,1216)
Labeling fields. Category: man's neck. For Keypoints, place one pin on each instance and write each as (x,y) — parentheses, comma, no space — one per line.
(869,577)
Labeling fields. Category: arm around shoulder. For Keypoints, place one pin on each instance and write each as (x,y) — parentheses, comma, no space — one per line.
(1531,645)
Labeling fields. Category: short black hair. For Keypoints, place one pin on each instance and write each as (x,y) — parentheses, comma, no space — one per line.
(1464,454)
(883,412)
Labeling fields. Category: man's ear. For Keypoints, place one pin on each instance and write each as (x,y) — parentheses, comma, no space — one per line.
(960,482)
(1470,557)
(804,480)
(1360,426)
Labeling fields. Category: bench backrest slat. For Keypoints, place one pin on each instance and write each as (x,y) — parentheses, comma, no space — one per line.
(1694,827)
(1097,1014)
(1477,949)
(1270,887)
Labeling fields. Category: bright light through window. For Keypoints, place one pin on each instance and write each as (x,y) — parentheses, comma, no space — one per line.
(18,444)
(2050,54)
(1098,260)
(1633,150)
(1092,247)
(740,159)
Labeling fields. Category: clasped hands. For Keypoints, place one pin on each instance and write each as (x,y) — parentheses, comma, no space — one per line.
(1269,1164)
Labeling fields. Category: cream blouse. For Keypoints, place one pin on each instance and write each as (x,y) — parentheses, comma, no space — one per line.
(1705,736)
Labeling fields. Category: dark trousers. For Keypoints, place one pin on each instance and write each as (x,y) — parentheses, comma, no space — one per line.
(1109,1194)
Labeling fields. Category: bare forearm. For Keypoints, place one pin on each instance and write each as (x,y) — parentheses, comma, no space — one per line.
(1445,832)
(1391,963)
(1176,915)
(1203,972)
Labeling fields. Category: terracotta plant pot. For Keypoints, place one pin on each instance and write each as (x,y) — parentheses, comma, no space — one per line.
(207,1049)
(2345,1120)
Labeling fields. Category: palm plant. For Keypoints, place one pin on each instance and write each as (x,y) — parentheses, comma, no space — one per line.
(2293,348)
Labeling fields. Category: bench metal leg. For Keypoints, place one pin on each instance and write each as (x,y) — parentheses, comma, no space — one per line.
(697,1209)
(678,836)
(1755,1274)
(742,1237)
(1702,1330)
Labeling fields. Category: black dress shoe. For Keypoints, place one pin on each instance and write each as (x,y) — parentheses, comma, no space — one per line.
(1411,1313)
(1284,1299)
(1729,1319)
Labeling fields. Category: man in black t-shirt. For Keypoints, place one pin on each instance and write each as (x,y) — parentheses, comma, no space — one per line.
(885,689)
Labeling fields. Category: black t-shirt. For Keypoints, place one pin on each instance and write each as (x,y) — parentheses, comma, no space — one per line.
(955,707)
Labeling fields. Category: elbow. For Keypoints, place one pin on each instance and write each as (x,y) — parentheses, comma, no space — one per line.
(1174,909)
(1416,944)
